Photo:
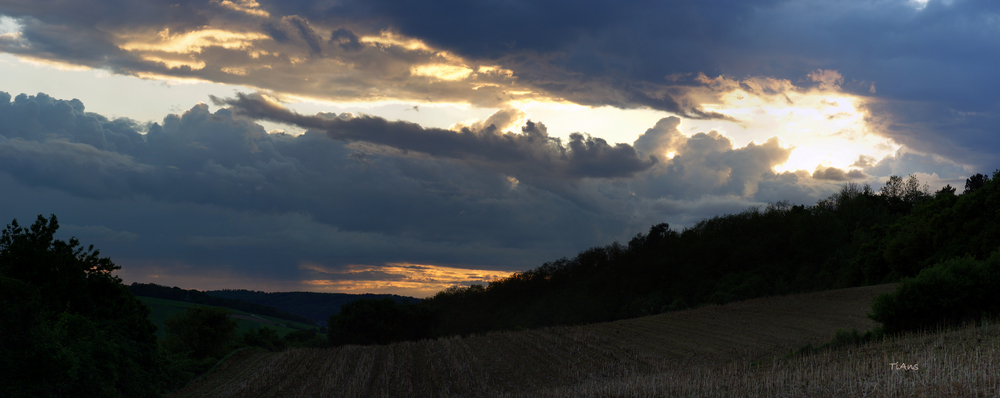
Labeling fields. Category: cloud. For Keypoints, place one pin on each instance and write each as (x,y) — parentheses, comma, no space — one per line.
(705,163)
(391,187)
(905,161)
(835,174)
(532,152)
(346,39)
(266,46)
(212,194)
(213,191)
(827,79)
(97,232)
(275,31)
(307,34)
(502,120)
(418,279)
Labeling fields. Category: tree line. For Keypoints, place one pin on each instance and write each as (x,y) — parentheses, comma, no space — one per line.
(856,237)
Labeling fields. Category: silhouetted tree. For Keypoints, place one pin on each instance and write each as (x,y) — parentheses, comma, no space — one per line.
(893,187)
(68,327)
(201,331)
(975,182)
(946,190)
(380,321)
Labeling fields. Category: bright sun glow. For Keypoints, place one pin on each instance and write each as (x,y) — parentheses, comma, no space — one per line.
(442,71)
(825,126)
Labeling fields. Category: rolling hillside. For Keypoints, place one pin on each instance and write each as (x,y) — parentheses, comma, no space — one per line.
(163,308)
(711,350)
(315,306)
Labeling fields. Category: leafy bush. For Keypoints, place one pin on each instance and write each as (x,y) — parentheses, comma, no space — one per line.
(377,322)
(947,294)
(265,338)
(201,331)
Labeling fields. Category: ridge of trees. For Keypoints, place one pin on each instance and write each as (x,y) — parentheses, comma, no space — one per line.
(856,237)
(199,297)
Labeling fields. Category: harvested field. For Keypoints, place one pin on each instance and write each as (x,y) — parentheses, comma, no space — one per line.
(701,352)
(951,363)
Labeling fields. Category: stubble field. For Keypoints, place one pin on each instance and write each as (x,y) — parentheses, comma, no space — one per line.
(728,350)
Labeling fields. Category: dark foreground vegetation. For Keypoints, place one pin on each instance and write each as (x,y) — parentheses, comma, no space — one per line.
(68,327)
(857,237)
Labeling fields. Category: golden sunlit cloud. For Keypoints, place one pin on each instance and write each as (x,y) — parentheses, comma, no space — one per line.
(441,71)
(174,63)
(387,38)
(826,126)
(420,280)
(247,6)
(494,70)
(190,42)
(235,71)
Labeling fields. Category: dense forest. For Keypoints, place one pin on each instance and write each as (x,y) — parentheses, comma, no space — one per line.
(315,306)
(855,237)
(199,297)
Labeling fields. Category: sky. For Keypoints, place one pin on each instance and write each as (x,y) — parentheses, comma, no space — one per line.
(405,147)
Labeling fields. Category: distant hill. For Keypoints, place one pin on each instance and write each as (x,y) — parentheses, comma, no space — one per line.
(315,306)
(198,297)
(164,308)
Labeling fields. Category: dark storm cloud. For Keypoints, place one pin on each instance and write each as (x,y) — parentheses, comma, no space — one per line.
(308,34)
(276,199)
(940,57)
(541,26)
(929,127)
(210,197)
(346,39)
(275,32)
(172,14)
(935,66)
(532,152)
